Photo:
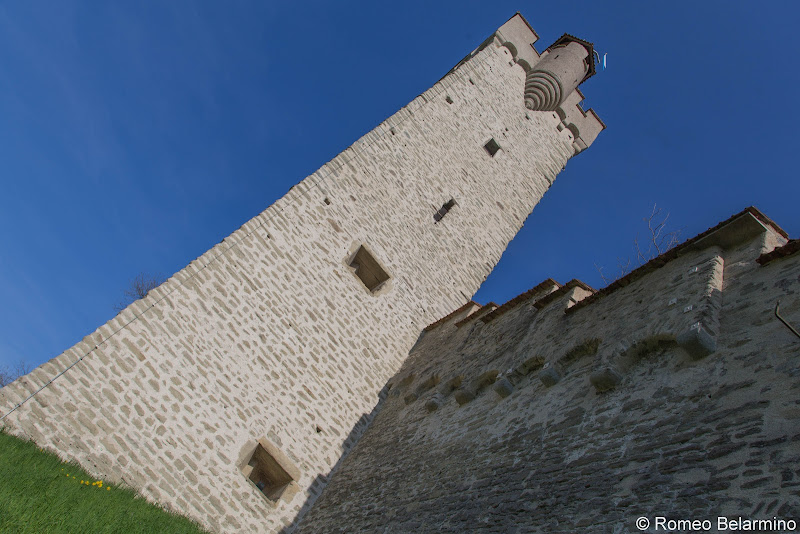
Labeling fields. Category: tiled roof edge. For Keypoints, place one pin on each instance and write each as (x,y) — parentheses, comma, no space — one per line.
(519,299)
(449,316)
(560,292)
(673,253)
(781,252)
(474,314)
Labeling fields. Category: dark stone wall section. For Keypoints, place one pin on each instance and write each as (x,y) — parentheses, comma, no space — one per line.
(665,434)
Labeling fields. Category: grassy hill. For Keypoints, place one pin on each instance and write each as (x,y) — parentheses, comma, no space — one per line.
(41,494)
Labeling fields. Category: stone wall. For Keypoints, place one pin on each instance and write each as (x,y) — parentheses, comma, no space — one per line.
(271,336)
(549,416)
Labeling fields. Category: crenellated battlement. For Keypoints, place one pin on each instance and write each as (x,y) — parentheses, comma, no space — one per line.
(584,125)
(552,78)
(673,300)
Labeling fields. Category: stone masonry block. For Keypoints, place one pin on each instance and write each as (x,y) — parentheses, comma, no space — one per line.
(697,342)
(549,375)
(605,379)
(463,396)
(503,387)
(435,402)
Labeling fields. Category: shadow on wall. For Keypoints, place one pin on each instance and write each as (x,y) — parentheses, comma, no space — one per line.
(318,485)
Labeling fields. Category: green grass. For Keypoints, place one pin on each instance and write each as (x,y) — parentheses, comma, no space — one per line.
(41,494)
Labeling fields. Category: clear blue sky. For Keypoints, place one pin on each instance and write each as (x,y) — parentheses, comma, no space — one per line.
(136,135)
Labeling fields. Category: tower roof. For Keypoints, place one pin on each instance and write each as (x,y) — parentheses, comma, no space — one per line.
(567,38)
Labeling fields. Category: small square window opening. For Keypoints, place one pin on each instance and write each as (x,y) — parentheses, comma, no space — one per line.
(368,269)
(267,474)
(492,147)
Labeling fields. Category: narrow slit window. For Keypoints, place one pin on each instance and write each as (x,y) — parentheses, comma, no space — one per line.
(447,206)
(368,269)
(492,147)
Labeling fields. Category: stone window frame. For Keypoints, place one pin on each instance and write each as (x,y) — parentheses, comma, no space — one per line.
(383,286)
(444,210)
(287,486)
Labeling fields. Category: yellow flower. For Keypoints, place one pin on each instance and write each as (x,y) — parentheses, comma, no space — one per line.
(108,488)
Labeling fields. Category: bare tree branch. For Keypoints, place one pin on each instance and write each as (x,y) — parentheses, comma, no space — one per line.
(658,241)
(599,269)
(139,288)
(9,375)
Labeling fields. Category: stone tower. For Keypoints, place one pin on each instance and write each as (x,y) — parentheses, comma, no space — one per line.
(230,392)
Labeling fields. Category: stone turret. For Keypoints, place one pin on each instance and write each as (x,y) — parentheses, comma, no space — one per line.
(560,70)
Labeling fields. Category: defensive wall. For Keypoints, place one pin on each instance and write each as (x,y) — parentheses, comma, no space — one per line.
(673,392)
(231,391)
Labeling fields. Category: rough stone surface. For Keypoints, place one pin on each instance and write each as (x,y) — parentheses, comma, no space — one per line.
(270,334)
(665,433)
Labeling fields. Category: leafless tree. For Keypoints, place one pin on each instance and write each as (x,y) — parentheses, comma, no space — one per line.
(657,241)
(139,288)
(623,268)
(9,375)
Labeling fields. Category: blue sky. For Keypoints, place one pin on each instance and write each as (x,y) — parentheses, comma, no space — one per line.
(136,135)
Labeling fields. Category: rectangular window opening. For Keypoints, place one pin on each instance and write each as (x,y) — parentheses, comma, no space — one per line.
(368,269)
(492,147)
(267,474)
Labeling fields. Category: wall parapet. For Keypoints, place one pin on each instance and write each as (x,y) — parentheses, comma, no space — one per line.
(688,319)
(562,291)
(466,309)
(737,228)
(547,285)
(519,37)
(477,314)
(584,125)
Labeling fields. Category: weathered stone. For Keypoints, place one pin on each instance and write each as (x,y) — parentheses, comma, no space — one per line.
(697,342)
(435,402)
(605,379)
(298,319)
(549,376)
(503,387)
(463,396)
